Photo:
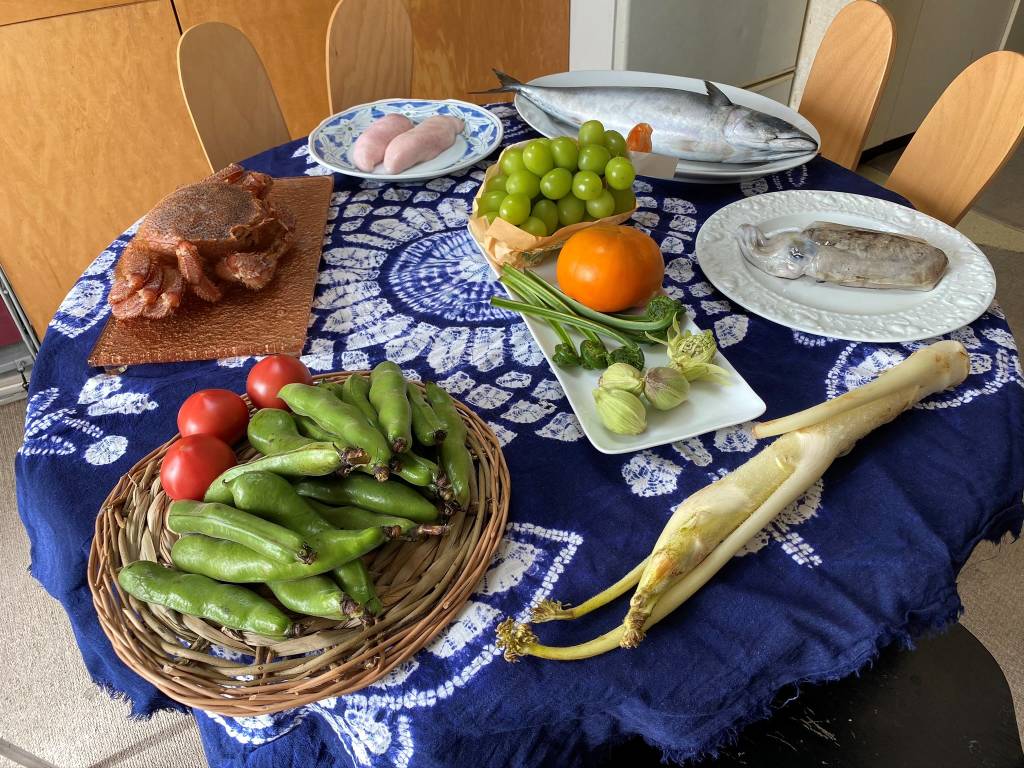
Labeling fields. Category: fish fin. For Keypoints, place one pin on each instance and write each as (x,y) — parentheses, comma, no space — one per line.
(508,83)
(718,99)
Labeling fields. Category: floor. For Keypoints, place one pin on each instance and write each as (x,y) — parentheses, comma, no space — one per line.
(42,671)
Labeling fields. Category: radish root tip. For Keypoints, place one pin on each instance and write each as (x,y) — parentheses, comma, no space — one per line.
(515,639)
(548,610)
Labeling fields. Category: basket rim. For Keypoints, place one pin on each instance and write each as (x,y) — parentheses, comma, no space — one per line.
(201,680)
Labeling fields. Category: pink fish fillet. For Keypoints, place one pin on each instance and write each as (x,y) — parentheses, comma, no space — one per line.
(369,148)
(424,142)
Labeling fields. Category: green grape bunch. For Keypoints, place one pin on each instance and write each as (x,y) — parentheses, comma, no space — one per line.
(548,184)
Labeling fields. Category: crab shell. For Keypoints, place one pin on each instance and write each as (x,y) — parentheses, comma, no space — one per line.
(224,222)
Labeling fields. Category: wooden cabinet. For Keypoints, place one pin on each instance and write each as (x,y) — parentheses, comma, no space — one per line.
(455,44)
(93,133)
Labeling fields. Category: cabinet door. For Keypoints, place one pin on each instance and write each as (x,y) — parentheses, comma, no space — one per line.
(456,42)
(93,132)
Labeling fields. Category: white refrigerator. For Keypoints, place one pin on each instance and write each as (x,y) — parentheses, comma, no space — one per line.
(748,43)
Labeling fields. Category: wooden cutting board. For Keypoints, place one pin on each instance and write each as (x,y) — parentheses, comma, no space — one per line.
(244,322)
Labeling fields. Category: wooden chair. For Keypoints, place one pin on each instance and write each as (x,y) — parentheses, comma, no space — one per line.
(847,77)
(228,94)
(965,139)
(369,52)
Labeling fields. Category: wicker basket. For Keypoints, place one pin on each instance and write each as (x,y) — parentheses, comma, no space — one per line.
(422,586)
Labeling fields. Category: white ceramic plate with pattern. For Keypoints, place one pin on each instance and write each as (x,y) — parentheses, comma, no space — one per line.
(856,314)
(690,171)
(708,408)
(331,142)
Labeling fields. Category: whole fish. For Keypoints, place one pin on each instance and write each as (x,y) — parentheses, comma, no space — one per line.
(835,253)
(687,125)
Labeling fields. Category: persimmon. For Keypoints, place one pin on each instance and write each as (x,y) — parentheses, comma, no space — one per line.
(610,268)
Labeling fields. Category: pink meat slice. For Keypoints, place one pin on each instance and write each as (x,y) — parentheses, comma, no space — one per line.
(424,142)
(369,148)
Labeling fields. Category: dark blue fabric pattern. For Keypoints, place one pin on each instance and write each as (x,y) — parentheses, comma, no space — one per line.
(868,556)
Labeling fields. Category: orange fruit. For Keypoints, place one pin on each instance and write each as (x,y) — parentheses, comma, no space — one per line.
(610,268)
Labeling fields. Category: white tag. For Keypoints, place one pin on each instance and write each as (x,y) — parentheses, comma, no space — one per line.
(650,164)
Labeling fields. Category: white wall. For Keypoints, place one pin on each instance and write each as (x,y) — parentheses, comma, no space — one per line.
(819,15)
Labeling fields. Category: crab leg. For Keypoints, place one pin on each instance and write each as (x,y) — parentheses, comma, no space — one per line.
(134,269)
(190,265)
(170,296)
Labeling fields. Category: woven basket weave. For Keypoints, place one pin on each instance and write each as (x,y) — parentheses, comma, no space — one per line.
(421,584)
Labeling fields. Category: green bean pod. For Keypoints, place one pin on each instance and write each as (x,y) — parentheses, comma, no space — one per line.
(272,431)
(333,387)
(416,470)
(315,596)
(390,498)
(310,460)
(272,497)
(426,425)
(235,563)
(356,392)
(388,397)
(454,455)
(313,431)
(341,419)
(224,522)
(350,518)
(225,604)
(355,579)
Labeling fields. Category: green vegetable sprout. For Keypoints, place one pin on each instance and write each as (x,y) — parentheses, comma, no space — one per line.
(542,300)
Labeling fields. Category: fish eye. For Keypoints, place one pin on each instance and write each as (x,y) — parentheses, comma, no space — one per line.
(795,253)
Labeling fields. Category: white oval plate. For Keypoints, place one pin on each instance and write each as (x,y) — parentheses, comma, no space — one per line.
(857,314)
(686,170)
(709,407)
(332,140)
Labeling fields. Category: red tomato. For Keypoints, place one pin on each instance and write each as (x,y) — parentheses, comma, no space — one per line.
(192,463)
(216,412)
(270,374)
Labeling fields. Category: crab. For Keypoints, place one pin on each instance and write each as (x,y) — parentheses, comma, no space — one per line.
(220,229)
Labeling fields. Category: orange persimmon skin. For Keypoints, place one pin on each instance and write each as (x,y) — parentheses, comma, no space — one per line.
(610,268)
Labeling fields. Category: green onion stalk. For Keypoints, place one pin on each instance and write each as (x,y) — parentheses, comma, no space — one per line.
(709,527)
(593,355)
(629,352)
(565,355)
(660,311)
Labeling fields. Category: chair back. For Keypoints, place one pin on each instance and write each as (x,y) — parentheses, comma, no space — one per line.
(369,52)
(965,139)
(846,79)
(228,94)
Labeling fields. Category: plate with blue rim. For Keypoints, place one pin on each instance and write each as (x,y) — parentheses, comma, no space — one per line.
(330,144)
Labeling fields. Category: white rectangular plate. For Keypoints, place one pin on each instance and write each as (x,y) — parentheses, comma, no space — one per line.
(709,407)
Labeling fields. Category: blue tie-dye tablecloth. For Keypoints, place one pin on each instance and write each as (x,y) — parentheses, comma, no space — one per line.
(869,555)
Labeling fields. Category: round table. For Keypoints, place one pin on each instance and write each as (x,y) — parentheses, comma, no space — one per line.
(868,556)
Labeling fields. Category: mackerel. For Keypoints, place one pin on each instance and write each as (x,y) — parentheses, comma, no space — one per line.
(687,125)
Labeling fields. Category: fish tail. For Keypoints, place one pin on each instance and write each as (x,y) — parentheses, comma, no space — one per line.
(508,83)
